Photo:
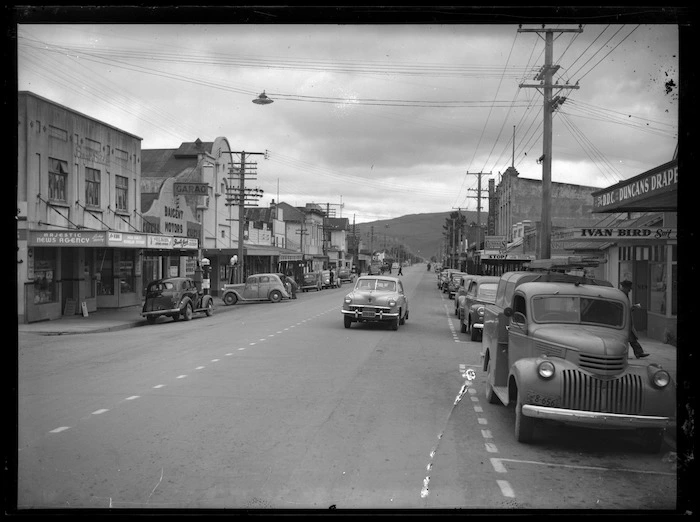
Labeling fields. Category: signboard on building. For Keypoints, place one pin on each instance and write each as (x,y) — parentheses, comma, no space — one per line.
(655,183)
(191,189)
(613,234)
(66,238)
(495,242)
(509,257)
(122,239)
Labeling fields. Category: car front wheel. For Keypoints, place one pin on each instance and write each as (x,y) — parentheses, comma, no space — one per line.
(210,308)
(187,314)
(395,324)
(524,426)
(347,321)
(230,299)
(275,296)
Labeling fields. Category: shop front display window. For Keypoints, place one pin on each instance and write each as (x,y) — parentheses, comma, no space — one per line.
(105,272)
(45,290)
(127,279)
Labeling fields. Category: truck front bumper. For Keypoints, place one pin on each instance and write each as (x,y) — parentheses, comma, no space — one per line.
(594,418)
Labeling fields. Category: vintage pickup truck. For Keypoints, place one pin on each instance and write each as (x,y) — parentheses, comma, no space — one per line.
(556,346)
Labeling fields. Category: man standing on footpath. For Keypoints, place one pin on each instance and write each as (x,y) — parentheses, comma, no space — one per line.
(639,352)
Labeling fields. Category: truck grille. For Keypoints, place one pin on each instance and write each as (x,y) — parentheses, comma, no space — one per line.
(602,364)
(583,392)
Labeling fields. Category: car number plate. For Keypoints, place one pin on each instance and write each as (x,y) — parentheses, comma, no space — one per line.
(368,313)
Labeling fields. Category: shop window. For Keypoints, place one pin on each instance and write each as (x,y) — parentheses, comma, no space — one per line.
(127,279)
(58,176)
(45,290)
(657,289)
(122,193)
(105,272)
(92,187)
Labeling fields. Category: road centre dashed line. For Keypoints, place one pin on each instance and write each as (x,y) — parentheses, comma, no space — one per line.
(500,467)
(182,376)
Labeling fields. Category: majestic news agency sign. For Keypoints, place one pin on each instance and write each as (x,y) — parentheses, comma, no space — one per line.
(191,189)
(613,234)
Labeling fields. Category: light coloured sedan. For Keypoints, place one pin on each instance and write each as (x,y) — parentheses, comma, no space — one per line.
(376,299)
(258,287)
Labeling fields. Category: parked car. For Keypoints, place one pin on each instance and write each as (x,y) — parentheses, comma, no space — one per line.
(453,283)
(312,281)
(376,299)
(176,297)
(258,287)
(481,291)
(326,279)
(556,348)
(345,276)
(462,290)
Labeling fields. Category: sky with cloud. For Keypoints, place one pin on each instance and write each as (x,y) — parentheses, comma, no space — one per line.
(378,120)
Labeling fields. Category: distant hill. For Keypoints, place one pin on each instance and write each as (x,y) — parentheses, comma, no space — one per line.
(421,233)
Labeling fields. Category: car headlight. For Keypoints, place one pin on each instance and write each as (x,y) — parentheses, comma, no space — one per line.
(660,378)
(348,299)
(545,369)
(480,311)
(391,302)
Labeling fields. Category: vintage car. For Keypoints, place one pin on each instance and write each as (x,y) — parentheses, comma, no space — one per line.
(555,345)
(376,299)
(176,297)
(374,269)
(481,291)
(326,280)
(462,290)
(258,287)
(345,276)
(453,283)
(312,281)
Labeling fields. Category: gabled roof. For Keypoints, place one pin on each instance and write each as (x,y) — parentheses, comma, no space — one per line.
(291,213)
(170,163)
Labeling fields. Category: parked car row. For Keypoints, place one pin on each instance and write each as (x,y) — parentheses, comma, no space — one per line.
(179,297)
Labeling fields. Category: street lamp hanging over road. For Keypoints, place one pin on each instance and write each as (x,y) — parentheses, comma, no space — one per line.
(262,99)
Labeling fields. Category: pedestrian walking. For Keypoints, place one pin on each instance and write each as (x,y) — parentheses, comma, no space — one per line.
(332,277)
(400,272)
(639,352)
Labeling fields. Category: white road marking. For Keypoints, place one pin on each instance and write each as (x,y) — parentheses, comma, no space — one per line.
(200,367)
(481,420)
(159,386)
(505,488)
(99,412)
(498,466)
(132,398)
(590,468)
(486,434)
(60,429)
(491,447)
(229,353)
(181,376)
(215,360)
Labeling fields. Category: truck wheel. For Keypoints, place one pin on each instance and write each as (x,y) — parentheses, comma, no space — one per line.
(652,439)
(210,308)
(491,396)
(151,319)
(524,426)
(230,299)
(275,296)
(187,314)
(347,321)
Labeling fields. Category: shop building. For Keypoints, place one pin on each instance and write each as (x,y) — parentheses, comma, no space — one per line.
(80,238)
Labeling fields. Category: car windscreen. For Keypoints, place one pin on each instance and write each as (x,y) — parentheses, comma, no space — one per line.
(578,310)
(487,292)
(384,285)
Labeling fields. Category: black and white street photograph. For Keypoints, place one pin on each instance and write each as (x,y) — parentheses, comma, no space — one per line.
(361,260)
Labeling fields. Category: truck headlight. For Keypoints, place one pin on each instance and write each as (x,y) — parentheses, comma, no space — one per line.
(480,311)
(661,378)
(545,369)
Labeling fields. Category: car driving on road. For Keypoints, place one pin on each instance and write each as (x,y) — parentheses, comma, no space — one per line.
(376,299)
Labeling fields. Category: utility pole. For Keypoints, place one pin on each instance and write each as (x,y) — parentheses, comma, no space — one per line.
(549,105)
(243,196)
(478,203)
